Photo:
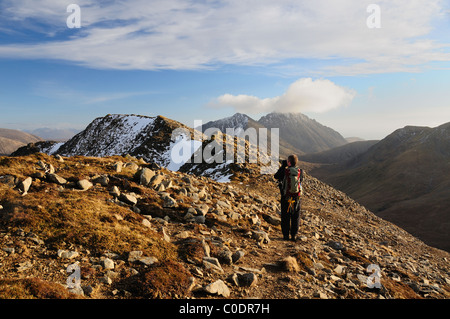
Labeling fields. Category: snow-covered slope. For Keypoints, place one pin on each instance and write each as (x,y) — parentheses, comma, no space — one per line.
(147,137)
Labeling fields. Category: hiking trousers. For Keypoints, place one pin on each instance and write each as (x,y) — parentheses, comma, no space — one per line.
(290,218)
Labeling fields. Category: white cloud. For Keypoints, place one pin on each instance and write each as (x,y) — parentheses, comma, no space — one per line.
(182,34)
(304,95)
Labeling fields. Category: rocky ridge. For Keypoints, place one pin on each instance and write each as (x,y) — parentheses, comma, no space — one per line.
(137,230)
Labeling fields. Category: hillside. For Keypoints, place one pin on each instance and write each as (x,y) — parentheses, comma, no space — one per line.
(147,232)
(11,140)
(340,154)
(404,179)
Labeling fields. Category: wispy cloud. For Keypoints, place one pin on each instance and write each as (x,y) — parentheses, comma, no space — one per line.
(56,91)
(181,34)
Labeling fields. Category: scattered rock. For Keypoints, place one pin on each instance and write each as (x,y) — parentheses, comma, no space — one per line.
(320,295)
(105,280)
(54,178)
(25,185)
(336,245)
(134,255)
(64,254)
(225,256)
(148,260)
(145,176)
(218,288)
(115,191)
(212,264)
(247,280)
(128,199)
(339,269)
(87,290)
(102,180)
(237,256)
(84,184)
(23,266)
(10,180)
(118,167)
(146,223)
(108,263)
(156,180)
(276,221)
(260,236)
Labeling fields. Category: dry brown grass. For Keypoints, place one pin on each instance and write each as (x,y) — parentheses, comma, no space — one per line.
(167,279)
(33,288)
(63,215)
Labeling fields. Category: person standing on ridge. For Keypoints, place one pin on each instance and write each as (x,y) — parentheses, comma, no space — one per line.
(290,179)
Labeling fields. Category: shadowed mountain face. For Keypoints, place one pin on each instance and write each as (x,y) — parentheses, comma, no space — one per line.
(405,178)
(339,154)
(11,140)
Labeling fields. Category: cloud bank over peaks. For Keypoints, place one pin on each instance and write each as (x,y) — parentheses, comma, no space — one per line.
(304,95)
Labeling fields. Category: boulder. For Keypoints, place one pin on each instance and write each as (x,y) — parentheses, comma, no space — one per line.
(247,279)
(134,255)
(56,179)
(237,256)
(156,180)
(212,264)
(25,185)
(115,191)
(108,263)
(145,176)
(84,184)
(260,236)
(118,167)
(128,199)
(102,180)
(218,288)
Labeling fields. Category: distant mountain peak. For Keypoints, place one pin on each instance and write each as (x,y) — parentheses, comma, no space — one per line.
(305,134)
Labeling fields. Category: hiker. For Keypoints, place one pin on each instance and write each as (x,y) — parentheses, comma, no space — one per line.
(290,177)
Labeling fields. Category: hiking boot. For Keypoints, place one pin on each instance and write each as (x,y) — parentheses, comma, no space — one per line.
(294,238)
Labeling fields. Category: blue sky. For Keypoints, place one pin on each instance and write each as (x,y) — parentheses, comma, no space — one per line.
(204,60)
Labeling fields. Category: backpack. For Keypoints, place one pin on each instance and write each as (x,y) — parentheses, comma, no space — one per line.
(292,185)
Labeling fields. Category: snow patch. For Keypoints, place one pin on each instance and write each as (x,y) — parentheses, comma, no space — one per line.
(54,148)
